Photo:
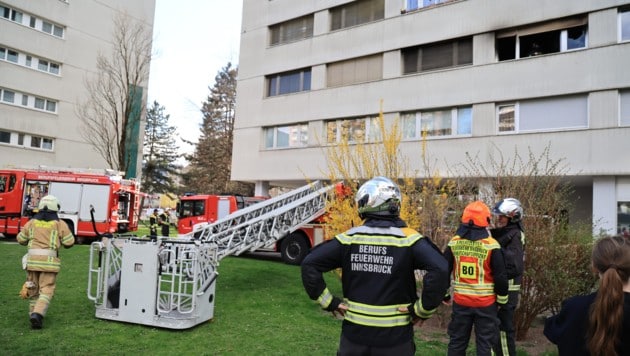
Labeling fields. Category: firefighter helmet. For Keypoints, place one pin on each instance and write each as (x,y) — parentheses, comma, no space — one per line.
(50,203)
(379,196)
(476,213)
(509,207)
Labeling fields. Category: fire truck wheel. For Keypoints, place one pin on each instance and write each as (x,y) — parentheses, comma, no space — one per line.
(293,249)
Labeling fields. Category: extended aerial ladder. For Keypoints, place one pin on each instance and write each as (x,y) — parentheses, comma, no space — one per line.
(170,282)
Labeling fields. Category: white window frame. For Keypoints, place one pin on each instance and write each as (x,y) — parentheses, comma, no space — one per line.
(516,118)
(296,129)
(417,123)
(371,130)
(624,108)
(47,105)
(31,21)
(26,141)
(539,104)
(31,62)
(621,15)
(407,5)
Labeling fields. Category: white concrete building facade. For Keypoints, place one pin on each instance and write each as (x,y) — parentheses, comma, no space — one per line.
(475,75)
(47,50)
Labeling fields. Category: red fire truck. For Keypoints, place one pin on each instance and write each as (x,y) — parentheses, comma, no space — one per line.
(112,200)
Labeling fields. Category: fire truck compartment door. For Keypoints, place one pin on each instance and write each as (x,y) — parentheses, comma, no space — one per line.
(69,195)
(98,196)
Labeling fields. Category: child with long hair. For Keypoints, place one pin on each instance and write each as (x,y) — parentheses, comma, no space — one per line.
(598,323)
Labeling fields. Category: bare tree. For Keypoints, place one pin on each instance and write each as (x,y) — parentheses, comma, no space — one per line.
(113,109)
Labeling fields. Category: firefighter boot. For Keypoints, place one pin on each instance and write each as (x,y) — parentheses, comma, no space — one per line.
(37,320)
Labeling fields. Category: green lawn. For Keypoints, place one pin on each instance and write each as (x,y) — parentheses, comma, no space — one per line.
(261,309)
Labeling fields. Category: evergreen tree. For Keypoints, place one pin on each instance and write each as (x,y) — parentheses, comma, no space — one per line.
(210,164)
(159,168)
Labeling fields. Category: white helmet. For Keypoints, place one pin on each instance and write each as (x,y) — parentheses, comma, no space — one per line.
(509,207)
(49,202)
(379,196)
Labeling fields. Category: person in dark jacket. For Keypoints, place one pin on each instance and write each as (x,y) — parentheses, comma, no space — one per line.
(598,323)
(164,221)
(509,233)
(378,259)
(480,284)
(153,224)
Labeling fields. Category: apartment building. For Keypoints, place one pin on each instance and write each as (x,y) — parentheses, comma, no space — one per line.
(48,48)
(475,76)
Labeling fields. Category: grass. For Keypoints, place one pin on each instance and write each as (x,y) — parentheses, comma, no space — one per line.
(260,309)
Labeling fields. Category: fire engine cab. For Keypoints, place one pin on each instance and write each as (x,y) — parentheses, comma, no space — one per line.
(112,200)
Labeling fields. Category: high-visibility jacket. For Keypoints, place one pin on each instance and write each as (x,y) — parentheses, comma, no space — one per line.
(477,268)
(44,238)
(378,260)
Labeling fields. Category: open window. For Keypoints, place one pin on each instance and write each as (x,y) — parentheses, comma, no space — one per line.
(549,37)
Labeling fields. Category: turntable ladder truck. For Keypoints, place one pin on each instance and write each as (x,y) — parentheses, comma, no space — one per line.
(170,282)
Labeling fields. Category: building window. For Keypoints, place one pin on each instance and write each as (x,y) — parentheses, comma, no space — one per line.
(292,136)
(624,25)
(358,130)
(36,142)
(31,21)
(624,112)
(289,82)
(8,96)
(547,114)
(445,122)
(292,30)
(5,136)
(11,14)
(357,70)
(18,139)
(437,56)
(507,117)
(417,4)
(12,56)
(356,13)
(42,64)
(40,103)
(551,37)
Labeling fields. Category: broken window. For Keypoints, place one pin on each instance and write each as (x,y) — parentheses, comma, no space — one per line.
(552,37)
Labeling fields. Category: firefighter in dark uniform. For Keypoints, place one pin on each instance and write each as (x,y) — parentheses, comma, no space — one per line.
(480,283)
(44,234)
(153,224)
(165,222)
(378,260)
(509,233)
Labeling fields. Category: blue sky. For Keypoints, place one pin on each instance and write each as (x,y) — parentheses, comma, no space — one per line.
(193,40)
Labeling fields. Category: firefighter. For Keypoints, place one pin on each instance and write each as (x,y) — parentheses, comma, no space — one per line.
(509,233)
(153,224)
(44,234)
(476,263)
(165,222)
(378,259)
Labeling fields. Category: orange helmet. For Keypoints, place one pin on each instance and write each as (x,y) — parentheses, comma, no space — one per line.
(476,213)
